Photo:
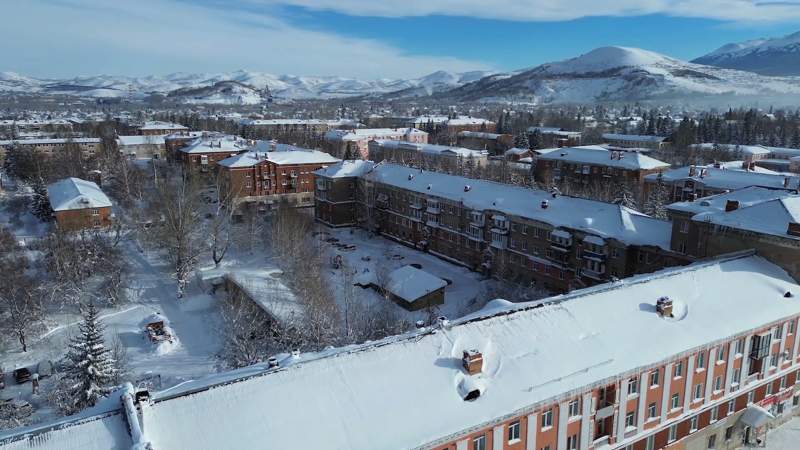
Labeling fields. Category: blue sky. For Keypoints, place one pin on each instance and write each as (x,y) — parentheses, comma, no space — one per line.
(362,38)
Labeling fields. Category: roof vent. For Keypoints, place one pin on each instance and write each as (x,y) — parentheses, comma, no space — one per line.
(420,324)
(296,354)
(429,187)
(411,176)
(794,229)
(731,205)
(467,188)
(472,361)
(272,362)
(545,204)
(443,322)
(664,307)
(788,294)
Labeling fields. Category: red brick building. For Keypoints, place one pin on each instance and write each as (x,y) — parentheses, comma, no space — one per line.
(79,204)
(286,173)
(159,128)
(204,153)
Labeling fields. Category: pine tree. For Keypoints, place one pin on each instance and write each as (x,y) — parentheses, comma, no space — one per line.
(90,367)
(656,203)
(624,196)
(40,204)
(521,141)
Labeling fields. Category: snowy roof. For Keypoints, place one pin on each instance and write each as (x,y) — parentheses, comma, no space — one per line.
(726,179)
(410,283)
(347,168)
(159,125)
(597,155)
(190,134)
(554,131)
(746,197)
(783,152)
(632,137)
(517,151)
(479,134)
(744,149)
(336,122)
(432,149)
(54,141)
(604,219)
(266,289)
(370,133)
(140,140)
(768,217)
(216,144)
(74,193)
(460,121)
(282,155)
(402,392)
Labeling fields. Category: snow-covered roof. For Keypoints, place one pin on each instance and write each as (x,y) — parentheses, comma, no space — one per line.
(554,131)
(159,125)
(410,283)
(461,121)
(266,289)
(332,123)
(749,150)
(190,134)
(140,140)
(347,168)
(432,149)
(74,193)
(370,133)
(282,155)
(746,197)
(768,217)
(597,155)
(726,179)
(783,152)
(604,219)
(479,134)
(632,137)
(216,144)
(403,392)
(55,141)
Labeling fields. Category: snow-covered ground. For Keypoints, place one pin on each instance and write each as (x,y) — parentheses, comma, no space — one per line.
(785,437)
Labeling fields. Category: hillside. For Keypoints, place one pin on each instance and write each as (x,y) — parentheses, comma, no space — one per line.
(777,56)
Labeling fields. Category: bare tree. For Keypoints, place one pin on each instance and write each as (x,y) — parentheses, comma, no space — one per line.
(221,220)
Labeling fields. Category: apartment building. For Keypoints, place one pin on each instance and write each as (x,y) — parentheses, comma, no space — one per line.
(159,128)
(694,182)
(549,137)
(528,236)
(594,164)
(284,174)
(175,141)
(79,205)
(354,144)
(767,220)
(682,359)
(494,143)
(271,128)
(49,147)
(425,155)
(150,146)
(204,153)
(635,141)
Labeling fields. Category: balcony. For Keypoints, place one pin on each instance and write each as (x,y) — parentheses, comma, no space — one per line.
(433,210)
(594,255)
(502,231)
(593,274)
(415,205)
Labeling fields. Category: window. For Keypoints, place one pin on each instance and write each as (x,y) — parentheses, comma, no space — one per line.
(714,413)
(698,391)
(751,396)
(728,433)
(737,375)
(712,441)
(678,369)
(651,410)
(685,226)
(721,353)
(547,418)
(479,443)
(773,360)
(673,433)
(572,442)
(654,378)
(769,388)
(777,333)
(513,431)
(739,346)
(630,419)
(633,386)
(651,443)
(731,407)
(676,401)
(701,360)
(783,381)
(790,329)
(718,383)
(546,447)
(693,424)
(574,408)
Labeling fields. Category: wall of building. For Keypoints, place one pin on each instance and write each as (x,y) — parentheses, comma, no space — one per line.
(83,219)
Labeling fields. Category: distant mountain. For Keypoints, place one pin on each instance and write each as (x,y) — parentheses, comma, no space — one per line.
(621,74)
(777,56)
(233,87)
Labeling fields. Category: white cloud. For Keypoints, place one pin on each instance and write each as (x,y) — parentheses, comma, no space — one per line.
(552,10)
(70,37)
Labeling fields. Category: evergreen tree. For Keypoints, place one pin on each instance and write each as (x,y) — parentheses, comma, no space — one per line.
(625,196)
(521,141)
(40,204)
(656,203)
(90,368)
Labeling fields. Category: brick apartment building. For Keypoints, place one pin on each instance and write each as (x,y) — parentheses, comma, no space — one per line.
(767,220)
(175,141)
(494,143)
(688,358)
(159,128)
(523,235)
(151,146)
(203,153)
(593,164)
(694,182)
(425,155)
(353,144)
(285,173)
(550,137)
(79,205)
(49,147)
(272,128)
(635,141)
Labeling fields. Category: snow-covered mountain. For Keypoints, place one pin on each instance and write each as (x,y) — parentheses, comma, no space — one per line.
(622,74)
(282,86)
(777,56)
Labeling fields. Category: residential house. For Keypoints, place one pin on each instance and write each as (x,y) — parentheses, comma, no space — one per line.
(79,204)
(353,144)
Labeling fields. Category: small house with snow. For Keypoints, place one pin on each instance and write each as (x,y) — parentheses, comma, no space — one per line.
(79,204)
(414,289)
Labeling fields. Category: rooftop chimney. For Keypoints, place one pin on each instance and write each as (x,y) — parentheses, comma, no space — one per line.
(472,361)
(692,171)
(786,182)
(467,188)
(545,204)
(273,362)
(664,307)
(794,229)
(731,205)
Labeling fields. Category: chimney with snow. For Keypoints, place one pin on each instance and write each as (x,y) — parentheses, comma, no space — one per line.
(664,307)
(692,171)
(731,205)
(472,360)
(545,204)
